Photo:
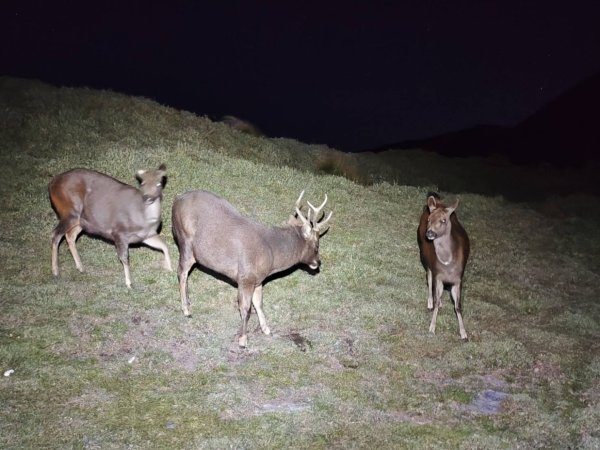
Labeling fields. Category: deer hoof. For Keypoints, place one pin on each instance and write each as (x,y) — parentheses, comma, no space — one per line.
(266,330)
(243,341)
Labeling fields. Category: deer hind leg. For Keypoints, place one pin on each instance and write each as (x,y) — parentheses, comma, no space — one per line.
(186,261)
(257,302)
(455,292)
(71,237)
(245,292)
(437,300)
(123,253)
(57,235)
(65,227)
(429,290)
(157,243)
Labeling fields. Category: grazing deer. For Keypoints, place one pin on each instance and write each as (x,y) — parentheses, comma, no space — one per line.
(89,201)
(210,231)
(444,248)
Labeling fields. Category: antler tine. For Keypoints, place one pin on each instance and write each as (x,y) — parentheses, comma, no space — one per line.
(317,211)
(319,226)
(300,216)
(299,198)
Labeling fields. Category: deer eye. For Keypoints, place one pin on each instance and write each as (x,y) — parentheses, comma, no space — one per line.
(443,220)
(158,184)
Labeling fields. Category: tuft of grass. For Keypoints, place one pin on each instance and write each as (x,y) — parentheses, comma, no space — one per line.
(350,362)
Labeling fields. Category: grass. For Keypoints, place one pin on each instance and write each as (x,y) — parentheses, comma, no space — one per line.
(351,363)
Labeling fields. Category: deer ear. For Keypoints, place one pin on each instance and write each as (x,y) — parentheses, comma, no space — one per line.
(139,175)
(452,207)
(162,167)
(293,220)
(306,230)
(431,203)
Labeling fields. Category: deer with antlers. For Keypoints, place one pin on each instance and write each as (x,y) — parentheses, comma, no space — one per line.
(210,231)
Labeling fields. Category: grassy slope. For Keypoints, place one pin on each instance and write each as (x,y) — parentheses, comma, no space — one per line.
(351,363)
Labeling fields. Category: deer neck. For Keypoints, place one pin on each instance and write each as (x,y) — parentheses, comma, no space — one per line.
(152,212)
(444,250)
(286,246)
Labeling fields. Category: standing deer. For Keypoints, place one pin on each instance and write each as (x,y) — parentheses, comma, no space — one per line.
(210,231)
(89,201)
(444,248)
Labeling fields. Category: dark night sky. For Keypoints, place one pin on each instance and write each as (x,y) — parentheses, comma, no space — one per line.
(353,75)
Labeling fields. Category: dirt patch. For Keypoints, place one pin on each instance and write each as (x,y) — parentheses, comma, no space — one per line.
(234,354)
(139,339)
(303,344)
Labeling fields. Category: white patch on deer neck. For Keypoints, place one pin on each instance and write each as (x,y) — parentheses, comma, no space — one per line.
(152,212)
(443,250)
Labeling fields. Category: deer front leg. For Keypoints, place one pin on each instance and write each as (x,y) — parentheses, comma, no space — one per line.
(245,293)
(157,243)
(456,292)
(429,290)
(123,253)
(257,302)
(437,300)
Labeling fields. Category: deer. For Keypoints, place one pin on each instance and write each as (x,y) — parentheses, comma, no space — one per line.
(444,250)
(209,231)
(99,205)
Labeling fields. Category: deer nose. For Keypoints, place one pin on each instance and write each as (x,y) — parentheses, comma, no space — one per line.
(430,235)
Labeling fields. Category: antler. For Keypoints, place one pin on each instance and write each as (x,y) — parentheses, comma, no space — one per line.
(320,225)
(315,213)
(305,221)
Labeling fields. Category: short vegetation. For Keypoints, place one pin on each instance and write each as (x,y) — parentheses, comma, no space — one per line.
(351,364)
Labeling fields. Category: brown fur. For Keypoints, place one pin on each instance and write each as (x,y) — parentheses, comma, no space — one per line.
(86,200)
(444,248)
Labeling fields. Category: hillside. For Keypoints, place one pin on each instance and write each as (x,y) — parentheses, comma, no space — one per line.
(351,362)
(564,132)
